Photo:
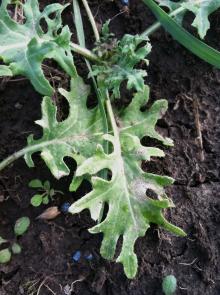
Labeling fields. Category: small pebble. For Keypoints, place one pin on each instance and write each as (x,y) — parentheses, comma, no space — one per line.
(65,207)
(125,2)
(76,256)
(18,106)
(21,290)
(49,214)
(89,257)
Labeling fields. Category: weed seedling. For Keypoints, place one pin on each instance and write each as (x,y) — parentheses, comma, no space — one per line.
(21,226)
(169,285)
(46,193)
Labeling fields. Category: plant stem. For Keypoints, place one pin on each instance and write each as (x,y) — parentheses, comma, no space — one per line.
(114,125)
(101,106)
(24,151)
(85,52)
(117,147)
(100,95)
(91,19)
(157,25)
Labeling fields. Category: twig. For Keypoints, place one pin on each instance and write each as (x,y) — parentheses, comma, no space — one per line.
(19,13)
(181,288)
(41,285)
(91,19)
(30,285)
(53,70)
(17,80)
(69,289)
(4,81)
(188,264)
(49,289)
(198,128)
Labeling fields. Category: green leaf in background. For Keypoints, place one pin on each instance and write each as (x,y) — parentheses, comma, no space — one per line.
(193,44)
(52,192)
(45,200)
(2,241)
(24,46)
(120,64)
(35,183)
(201,9)
(75,137)
(78,24)
(170,4)
(169,285)
(21,226)
(131,208)
(5,71)
(16,248)
(47,185)
(5,256)
(36,200)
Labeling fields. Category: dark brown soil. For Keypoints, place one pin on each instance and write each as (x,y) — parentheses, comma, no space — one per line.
(45,262)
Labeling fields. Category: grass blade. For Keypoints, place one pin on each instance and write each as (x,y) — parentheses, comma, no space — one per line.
(81,38)
(199,48)
(79,23)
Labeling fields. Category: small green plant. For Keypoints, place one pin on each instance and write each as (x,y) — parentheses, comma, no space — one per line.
(46,192)
(106,137)
(5,256)
(21,226)
(169,285)
(119,65)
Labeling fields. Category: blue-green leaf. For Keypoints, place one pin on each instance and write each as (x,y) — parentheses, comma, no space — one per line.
(131,208)
(201,9)
(24,46)
(196,46)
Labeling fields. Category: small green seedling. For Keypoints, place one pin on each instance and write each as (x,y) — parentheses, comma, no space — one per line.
(16,248)
(169,285)
(46,193)
(5,256)
(20,228)
(2,241)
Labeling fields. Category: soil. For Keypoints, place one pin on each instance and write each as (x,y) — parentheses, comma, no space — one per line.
(192,88)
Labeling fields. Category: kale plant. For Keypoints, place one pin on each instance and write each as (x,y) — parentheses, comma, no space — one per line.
(104,141)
